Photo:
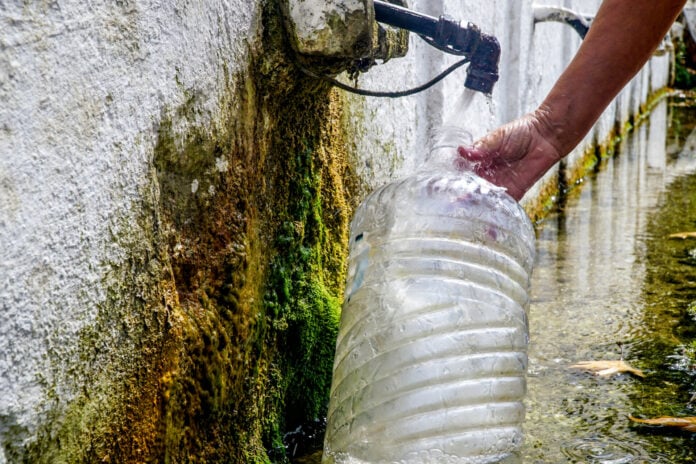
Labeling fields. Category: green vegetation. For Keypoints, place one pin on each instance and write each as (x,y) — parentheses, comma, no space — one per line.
(670,295)
(258,253)
(684,76)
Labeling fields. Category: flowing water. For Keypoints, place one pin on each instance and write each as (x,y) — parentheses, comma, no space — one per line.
(609,283)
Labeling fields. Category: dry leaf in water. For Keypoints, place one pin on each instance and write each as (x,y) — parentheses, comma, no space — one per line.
(607,368)
(684,423)
(683,235)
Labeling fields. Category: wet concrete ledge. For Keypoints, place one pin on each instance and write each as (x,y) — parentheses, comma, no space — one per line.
(553,190)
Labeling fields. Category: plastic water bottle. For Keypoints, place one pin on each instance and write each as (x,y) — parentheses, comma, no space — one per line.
(431,353)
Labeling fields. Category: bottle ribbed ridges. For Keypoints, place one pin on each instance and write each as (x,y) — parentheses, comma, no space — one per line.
(431,354)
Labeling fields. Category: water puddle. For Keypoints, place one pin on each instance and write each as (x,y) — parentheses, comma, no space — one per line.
(610,284)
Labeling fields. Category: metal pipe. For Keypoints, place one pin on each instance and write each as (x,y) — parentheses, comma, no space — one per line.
(403,18)
(579,22)
(449,36)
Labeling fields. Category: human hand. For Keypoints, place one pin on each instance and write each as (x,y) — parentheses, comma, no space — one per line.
(515,155)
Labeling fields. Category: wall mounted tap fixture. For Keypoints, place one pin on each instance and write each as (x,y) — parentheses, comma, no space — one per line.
(448,35)
(579,22)
(331,36)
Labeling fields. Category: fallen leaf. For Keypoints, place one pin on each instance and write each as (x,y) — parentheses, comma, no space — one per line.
(683,235)
(607,368)
(684,423)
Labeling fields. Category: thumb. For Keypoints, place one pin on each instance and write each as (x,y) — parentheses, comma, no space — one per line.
(473,153)
(484,151)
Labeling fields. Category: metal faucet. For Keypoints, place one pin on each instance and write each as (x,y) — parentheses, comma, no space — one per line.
(579,22)
(448,35)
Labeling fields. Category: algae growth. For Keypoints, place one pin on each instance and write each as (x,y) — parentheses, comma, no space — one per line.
(258,263)
(670,286)
(224,306)
(257,255)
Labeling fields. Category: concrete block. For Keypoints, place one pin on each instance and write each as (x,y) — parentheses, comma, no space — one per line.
(330,28)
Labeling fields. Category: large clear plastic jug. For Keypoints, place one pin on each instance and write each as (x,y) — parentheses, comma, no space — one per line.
(431,353)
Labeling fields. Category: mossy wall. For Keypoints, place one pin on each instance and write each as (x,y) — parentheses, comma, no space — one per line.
(226,309)
(257,254)
(208,331)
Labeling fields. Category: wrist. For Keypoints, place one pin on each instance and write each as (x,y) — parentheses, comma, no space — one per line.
(550,129)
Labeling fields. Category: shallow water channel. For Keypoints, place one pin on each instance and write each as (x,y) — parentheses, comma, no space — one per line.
(608,282)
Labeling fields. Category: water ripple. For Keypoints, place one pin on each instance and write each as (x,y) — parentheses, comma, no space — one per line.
(604,450)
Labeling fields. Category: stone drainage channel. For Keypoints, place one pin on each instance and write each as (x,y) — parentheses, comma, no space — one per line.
(609,284)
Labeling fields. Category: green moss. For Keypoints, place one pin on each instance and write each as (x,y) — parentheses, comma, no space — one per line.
(116,367)
(306,271)
(258,263)
(684,77)
(303,310)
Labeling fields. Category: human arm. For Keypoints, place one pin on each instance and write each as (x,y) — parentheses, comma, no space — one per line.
(622,38)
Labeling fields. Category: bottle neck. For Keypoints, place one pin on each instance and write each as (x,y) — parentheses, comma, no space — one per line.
(443,148)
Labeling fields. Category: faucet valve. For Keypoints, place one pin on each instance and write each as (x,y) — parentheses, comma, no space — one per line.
(449,36)
(479,50)
(482,73)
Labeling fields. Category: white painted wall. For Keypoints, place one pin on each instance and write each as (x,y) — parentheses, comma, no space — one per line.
(83,86)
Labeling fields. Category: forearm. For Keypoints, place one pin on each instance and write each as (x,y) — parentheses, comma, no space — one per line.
(621,39)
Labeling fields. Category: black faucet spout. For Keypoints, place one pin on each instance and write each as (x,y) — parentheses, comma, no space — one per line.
(482,73)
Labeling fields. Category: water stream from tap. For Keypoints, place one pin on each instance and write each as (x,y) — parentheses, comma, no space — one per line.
(453,120)
(492,108)
(461,107)
(452,134)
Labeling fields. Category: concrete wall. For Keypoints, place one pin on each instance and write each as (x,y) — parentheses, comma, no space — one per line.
(85,89)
